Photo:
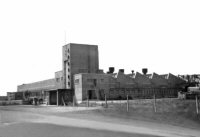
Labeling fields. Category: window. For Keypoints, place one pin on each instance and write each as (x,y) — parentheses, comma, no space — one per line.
(68,83)
(68,77)
(57,79)
(90,80)
(68,70)
(76,81)
(68,64)
(68,50)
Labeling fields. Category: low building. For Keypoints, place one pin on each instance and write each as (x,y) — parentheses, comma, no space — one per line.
(92,85)
(118,85)
(3,98)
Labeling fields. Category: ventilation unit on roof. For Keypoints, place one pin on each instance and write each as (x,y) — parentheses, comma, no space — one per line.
(144,71)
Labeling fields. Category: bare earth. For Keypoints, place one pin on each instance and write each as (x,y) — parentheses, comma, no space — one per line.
(23,121)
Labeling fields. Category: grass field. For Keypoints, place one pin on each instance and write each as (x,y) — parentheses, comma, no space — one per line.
(169,111)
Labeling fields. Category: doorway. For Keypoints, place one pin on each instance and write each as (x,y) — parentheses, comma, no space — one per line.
(91,94)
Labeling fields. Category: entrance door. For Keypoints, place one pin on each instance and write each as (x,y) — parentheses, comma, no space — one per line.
(90,94)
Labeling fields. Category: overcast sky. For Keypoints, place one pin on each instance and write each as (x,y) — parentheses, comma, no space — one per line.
(163,36)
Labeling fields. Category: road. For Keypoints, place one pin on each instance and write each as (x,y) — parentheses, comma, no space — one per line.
(19,124)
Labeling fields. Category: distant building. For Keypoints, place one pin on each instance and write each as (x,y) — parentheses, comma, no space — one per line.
(3,98)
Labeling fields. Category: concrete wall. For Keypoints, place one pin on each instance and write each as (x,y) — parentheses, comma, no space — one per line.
(59,80)
(98,84)
(78,87)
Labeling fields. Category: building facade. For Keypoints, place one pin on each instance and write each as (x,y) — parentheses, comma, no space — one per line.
(80,77)
(118,85)
(76,58)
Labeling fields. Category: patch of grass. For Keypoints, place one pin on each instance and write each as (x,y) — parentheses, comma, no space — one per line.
(169,111)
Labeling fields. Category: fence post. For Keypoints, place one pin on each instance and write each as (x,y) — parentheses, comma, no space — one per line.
(127,105)
(105,101)
(73,101)
(87,101)
(197,105)
(1,120)
(155,110)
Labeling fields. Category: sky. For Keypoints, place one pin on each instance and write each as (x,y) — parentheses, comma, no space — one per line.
(161,35)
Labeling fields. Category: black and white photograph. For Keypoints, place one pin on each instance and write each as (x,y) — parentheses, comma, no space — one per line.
(99,68)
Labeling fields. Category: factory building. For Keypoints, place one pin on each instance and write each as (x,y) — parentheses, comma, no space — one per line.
(119,85)
(81,77)
(76,58)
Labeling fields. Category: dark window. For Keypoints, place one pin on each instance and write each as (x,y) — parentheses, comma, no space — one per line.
(76,81)
(57,79)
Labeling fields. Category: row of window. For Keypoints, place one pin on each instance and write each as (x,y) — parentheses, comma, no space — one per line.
(61,79)
(58,80)
(93,81)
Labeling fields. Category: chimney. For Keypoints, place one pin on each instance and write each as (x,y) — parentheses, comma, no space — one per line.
(144,71)
(132,71)
(111,69)
(121,70)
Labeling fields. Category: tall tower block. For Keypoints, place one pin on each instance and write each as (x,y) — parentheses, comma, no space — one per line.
(78,58)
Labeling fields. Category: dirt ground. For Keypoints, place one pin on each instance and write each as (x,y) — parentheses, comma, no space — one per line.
(51,130)
(79,121)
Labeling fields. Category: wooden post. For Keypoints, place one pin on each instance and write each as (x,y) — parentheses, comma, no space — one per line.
(197,105)
(155,110)
(1,120)
(127,105)
(73,101)
(87,100)
(105,101)
(57,99)
(63,102)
